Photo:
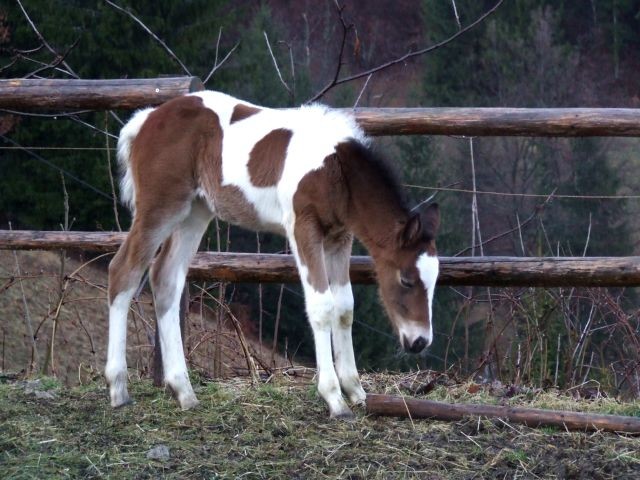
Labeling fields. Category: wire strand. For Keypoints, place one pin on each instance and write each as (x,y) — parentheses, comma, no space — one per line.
(56,167)
(58,148)
(530,195)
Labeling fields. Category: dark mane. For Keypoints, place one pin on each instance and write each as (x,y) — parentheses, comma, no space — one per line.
(377,167)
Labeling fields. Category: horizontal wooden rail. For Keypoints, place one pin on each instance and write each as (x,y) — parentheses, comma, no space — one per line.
(407,407)
(541,122)
(60,95)
(269,268)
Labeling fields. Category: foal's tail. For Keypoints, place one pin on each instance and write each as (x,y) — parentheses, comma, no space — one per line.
(127,136)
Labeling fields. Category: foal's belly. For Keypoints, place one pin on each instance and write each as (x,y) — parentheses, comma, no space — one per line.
(261,211)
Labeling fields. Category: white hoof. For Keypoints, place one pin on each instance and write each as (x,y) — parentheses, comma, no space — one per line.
(357,396)
(182,390)
(118,389)
(188,402)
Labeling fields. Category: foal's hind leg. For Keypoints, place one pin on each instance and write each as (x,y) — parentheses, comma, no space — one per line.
(167,281)
(337,261)
(125,271)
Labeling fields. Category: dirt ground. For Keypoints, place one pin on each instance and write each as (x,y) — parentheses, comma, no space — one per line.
(280,429)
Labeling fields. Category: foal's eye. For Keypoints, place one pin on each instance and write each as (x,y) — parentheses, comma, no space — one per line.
(406,283)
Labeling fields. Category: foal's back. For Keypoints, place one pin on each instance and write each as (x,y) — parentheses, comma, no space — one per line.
(244,161)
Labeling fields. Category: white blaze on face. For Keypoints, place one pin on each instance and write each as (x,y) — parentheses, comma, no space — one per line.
(428,267)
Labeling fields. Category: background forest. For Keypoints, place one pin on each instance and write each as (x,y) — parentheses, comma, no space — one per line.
(565,197)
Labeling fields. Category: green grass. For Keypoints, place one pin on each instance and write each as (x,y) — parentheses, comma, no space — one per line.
(281,430)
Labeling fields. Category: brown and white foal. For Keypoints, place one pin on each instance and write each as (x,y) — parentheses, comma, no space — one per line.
(306,173)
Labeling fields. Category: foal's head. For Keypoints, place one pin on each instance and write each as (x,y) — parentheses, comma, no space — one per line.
(407,275)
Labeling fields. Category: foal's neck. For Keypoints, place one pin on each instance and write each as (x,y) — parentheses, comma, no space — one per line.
(375,207)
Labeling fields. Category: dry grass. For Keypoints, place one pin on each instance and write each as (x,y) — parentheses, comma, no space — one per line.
(80,341)
(281,430)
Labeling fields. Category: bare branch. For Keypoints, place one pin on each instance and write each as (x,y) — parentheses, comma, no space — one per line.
(43,40)
(38,62)
(217,65)
(455,13)
(536,214)
(275,64)
(335,81)
(153,35)
(13,61)
(433,195)
(292,66)
(338,81)
(364,87)
(60,58)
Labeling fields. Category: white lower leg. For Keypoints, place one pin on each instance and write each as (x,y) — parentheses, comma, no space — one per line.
(173,361)
(328,384)
(320,310)
(116,368)
(345,361)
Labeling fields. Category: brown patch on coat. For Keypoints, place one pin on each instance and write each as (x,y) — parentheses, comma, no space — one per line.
(266,160)
(228,201)
(338,248)
(163,167)
(242,112)
(177,151)
(308,237)
(319,204)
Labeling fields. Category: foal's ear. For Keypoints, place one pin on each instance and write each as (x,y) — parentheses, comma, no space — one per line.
(411,231)
(430,217)
(422,225)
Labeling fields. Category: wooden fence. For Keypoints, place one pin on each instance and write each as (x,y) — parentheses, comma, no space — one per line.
(66,95)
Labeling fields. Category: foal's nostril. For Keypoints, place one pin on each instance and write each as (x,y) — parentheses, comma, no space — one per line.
(418,345)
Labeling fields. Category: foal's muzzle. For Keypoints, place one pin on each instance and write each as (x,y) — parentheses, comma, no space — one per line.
(416,346)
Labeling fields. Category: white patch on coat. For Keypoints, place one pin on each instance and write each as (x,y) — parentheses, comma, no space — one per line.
(316,132)
(127,135)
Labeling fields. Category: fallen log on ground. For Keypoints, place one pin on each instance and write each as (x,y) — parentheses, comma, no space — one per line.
(408,407)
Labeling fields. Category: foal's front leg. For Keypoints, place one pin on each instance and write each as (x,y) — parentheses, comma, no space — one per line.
(320,310)
(306,246)
(345,361)
(337,255)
